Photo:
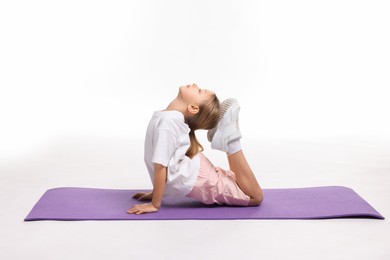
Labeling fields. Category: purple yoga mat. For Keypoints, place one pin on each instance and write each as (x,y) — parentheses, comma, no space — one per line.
(109,204)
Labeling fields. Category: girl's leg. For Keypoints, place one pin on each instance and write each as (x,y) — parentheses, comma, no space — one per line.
(225,136)
(245,178)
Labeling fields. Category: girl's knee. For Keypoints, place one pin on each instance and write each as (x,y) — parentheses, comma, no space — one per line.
(257,199)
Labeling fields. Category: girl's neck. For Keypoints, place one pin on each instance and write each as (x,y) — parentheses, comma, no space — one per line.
(178,105)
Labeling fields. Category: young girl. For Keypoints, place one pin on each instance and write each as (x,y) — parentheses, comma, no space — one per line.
(174,158)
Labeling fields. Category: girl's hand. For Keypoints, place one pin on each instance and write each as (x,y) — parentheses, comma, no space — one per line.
(142,196)
(142,208)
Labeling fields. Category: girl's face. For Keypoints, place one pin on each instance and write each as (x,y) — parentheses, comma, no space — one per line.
(192,95)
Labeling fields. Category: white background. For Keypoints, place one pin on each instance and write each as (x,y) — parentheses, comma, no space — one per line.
(79,81)
(298,68)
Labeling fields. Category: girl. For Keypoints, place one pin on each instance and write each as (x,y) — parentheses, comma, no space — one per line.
(174,158)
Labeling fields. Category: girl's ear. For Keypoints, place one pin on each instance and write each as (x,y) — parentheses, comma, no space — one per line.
(193,109)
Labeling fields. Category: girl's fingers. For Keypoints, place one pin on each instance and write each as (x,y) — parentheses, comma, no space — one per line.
(137,195)
(134,209)
(137,211)
(141,208)
(143,197)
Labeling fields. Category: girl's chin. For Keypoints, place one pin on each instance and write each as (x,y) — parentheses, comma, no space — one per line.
(181,89)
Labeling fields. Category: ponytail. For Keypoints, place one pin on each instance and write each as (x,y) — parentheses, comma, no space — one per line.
(195,146)
(207,118)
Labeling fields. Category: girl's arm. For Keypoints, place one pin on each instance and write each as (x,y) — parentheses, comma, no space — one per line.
(160,177)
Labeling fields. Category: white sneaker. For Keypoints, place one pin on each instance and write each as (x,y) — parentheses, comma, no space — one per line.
(227,129)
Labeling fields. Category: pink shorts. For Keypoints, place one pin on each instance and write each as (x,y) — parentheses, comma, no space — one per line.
(215,185)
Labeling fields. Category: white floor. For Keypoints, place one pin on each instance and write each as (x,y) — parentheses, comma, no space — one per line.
(361,163)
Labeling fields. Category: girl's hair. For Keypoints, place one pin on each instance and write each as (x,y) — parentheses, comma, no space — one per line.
(207,118)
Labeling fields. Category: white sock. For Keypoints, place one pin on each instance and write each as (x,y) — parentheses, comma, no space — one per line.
(234,146)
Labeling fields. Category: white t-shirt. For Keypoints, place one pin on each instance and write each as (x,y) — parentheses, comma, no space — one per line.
(166,143)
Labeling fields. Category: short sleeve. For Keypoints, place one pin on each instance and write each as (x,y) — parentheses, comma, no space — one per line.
(164,144)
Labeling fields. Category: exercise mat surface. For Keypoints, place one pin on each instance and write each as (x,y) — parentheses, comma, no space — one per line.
(70,203)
